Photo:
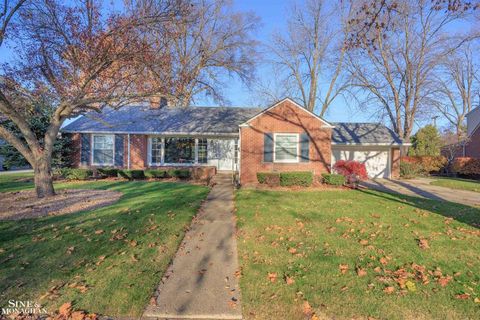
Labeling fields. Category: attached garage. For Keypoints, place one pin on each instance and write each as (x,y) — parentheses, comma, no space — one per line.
(377,160)
(371,143)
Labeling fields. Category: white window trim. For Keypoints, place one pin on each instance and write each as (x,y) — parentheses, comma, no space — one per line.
(149,153)
(92,143)
(162,162)
(297,158)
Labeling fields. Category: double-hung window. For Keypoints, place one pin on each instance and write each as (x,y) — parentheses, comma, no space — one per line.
(103,150)
(286,147)
(156,150)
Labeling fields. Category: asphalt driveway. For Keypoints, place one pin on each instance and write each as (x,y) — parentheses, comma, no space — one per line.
(421,187)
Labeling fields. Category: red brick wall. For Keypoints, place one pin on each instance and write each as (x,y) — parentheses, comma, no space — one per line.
(284,118)
(472,149)
(395,174)
(138,151)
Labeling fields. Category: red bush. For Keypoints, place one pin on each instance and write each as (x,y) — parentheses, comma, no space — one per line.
(353,171)
(466,166)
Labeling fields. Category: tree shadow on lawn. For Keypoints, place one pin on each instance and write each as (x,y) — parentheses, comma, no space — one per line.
(35,249)
(459,212)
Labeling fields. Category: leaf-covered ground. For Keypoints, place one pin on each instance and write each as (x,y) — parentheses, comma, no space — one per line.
(357,254)
(106,261)
(457,183)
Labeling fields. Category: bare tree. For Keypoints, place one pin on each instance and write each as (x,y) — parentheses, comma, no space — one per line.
(395,68)
(455,88)
(311,54)
(74,58)
(212,44)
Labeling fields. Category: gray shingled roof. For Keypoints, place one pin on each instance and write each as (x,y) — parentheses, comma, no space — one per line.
(363,133)
(191,120)
(209,121)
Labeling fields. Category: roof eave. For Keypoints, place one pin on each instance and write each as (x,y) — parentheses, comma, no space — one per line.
(154,133)
(326,124)
(386,144)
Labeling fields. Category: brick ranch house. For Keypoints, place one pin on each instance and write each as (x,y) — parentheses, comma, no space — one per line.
(470,147)
(282,137)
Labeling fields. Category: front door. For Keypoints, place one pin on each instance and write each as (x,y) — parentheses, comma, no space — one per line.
(221,153)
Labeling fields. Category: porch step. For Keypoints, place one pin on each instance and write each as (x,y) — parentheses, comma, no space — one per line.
(223,178)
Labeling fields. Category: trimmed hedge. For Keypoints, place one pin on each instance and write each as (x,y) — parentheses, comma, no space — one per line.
(421,165)
(466,166)
(179,173)
(333,179)
(76,174)
(299,178)
(270,178)
(156,173)
(108,172)
(410,170)
(131,174)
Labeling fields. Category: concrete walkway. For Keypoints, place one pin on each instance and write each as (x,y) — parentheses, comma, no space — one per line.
(201,283)
(421,187)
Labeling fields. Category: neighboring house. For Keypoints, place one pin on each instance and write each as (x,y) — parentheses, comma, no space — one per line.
(472,144)
(283,137)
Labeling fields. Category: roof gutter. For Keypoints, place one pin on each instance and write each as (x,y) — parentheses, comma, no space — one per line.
(386,144)
(221,134)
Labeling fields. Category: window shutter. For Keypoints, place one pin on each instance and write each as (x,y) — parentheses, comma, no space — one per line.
(304,147)
(85,149)
(268,147)
(119,150)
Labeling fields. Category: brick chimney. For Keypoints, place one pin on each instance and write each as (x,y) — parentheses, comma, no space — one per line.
(158,102)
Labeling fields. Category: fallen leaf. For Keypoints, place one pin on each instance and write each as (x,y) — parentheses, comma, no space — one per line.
(361,272)
(443,281)
(363,242)
(134,259)
(343,268)
(153,301)
(70,249)
(289,280)
(272,276)
(78,315)
(411,286)
(292,250)
(476,300)
(463,296)
(65,309)
(133,243)
(377,269)
(389,290)
(100,231)
(307,309)
(423,244)
(383,260)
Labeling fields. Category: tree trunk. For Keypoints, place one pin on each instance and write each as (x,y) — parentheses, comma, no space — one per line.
(43,179)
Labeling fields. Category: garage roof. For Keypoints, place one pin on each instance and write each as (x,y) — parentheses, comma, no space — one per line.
(364,134)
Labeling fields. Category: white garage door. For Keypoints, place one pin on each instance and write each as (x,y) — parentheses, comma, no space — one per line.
(376,161)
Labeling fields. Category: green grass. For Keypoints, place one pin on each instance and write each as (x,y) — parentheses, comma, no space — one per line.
(16,181)
(457,183)
(326,229)
(150,216)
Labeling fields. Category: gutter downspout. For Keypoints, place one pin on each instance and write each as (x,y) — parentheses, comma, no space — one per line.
(128,151)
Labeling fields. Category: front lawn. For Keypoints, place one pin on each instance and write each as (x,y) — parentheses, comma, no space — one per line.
(357,254)
(107,260)
(457,183)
